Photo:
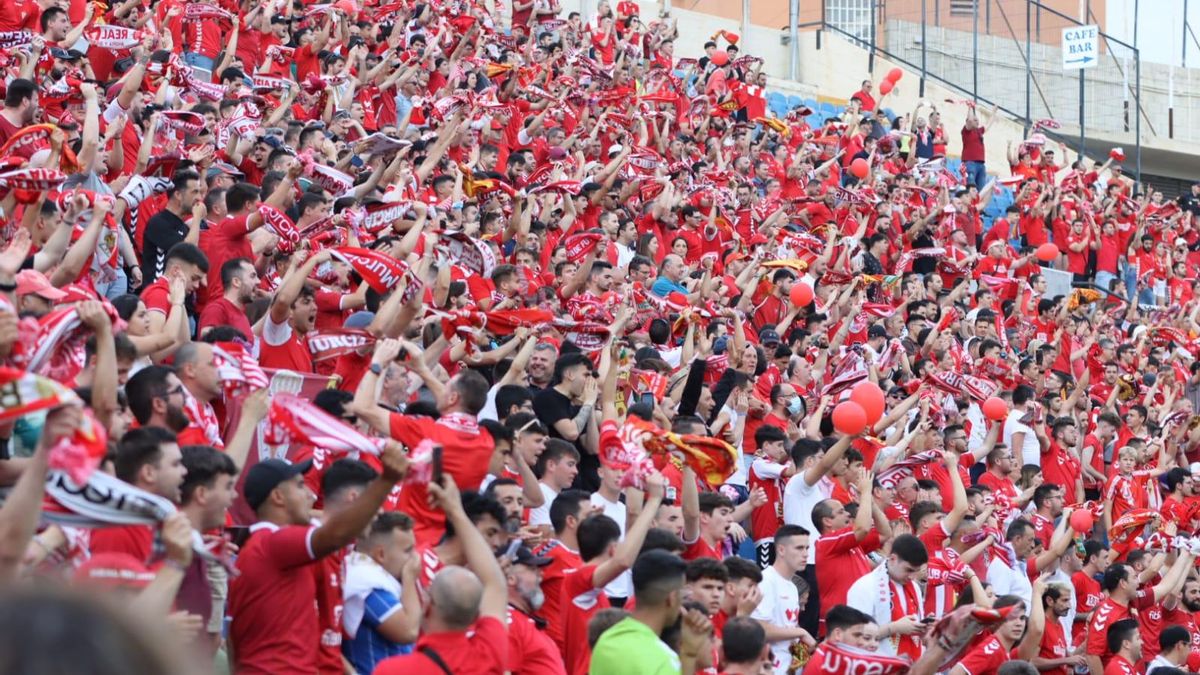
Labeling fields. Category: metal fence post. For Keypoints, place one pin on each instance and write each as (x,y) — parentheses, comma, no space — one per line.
(975,54)
(872,33)
(794,38)
(1028,69)
(1137,79)
(924,49)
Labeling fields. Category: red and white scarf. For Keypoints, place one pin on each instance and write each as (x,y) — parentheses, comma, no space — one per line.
(204,418)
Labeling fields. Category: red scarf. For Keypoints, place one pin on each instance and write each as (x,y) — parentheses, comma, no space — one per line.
(906,645)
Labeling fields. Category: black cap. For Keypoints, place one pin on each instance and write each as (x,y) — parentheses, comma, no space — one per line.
(267,475)
(768,336)
(60,53)
(525,556)
(877,331)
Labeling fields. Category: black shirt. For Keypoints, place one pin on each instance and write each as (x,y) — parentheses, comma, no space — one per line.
(551,406)
(164,230)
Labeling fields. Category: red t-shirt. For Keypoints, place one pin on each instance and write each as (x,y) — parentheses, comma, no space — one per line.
(563,562)
(273,602)
(327,574)
(702,549)
(1107,613)
(530,651)
(157,297)
(482,650)
(221,244)
(466,451)
(1119,666)
(1087,597)
(766,519)
(222,312)
(986,658)
(135,540)
(1054,645)
(841,560)
(580,601)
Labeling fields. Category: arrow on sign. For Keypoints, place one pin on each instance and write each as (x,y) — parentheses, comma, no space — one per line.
(1082,59)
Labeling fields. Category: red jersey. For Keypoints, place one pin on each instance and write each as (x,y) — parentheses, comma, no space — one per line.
(1088,596)
(222,312)
(136,540)
(466,452)
(1119,666)
(1109,612)
(986,657)
(482,650)
(227,240)
(1125,495)
(328,575)
(156,296)
(766,519)
(1054,645)
(841,559)
(564,562)
(272,602)
(1060,467)
(580,601)
(530,651)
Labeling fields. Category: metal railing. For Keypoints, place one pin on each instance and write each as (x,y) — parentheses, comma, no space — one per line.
(1007,53)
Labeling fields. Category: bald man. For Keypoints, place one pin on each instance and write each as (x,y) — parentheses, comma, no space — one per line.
(465,624)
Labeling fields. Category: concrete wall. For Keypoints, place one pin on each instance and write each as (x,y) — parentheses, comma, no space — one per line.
(1056,94)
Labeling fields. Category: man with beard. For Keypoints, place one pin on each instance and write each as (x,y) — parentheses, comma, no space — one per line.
(530,650)
(20,107)
(239,279)
(148,459)
(1054,653)
(156,399)
(292,315)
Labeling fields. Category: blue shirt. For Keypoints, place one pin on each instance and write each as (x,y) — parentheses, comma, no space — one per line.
(663,287)
(368,647)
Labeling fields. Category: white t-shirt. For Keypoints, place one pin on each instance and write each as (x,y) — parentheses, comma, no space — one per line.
(622,586)
(799,498)
(541,514)
(489,408)
(780,606)
(1030,451)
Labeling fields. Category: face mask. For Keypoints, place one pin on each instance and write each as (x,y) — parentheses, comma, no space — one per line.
(795,406)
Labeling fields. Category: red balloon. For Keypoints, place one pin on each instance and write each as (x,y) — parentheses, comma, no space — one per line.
(894,75)
(859,168)
(720,57)
(849,418)
(870,397)
(801,294)
(885,87)
(1081,520)
(1047,252)
(995,409)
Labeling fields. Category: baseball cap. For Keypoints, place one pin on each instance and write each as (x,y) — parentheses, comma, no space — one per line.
(114,570)
(267,475)
(877,332)
(226,168)
(525,556)
(557,154)
(614,150)
(359,320)
(768,336)
(33,282)
(1180,241)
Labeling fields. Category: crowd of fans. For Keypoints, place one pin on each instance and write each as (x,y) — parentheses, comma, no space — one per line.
(438,337)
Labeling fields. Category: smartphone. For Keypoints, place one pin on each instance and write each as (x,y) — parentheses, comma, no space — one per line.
(647,398)
(437,465)
(511,551)
(238,535)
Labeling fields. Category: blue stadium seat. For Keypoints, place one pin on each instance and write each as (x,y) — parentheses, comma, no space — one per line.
(827,110)
(777,102)
(794,102)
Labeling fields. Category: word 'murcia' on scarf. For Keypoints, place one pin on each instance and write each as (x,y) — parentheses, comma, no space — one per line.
(330,344)
(890,477)
(836,658)
(380,271)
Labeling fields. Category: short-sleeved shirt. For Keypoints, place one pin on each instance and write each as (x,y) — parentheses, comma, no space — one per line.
(222,312)
(1106,614)
(482,650)
(368,647)
(580,601)
(157,296)
(1054,646)
(563,562)
(530,651)
(272,602)
(284,348)
(986,658)
(164,230)
(842,560)
(780,606)
(662,287)
(631,641)
(466,450)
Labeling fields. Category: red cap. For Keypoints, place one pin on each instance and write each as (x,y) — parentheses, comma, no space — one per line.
(33,282)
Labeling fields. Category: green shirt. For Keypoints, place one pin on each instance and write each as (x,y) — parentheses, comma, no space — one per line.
(631,648)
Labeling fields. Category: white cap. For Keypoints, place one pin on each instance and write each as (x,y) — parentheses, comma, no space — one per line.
(614,149)
(1195,468)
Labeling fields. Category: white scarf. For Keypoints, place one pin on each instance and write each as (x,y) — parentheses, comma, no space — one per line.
(363,576)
